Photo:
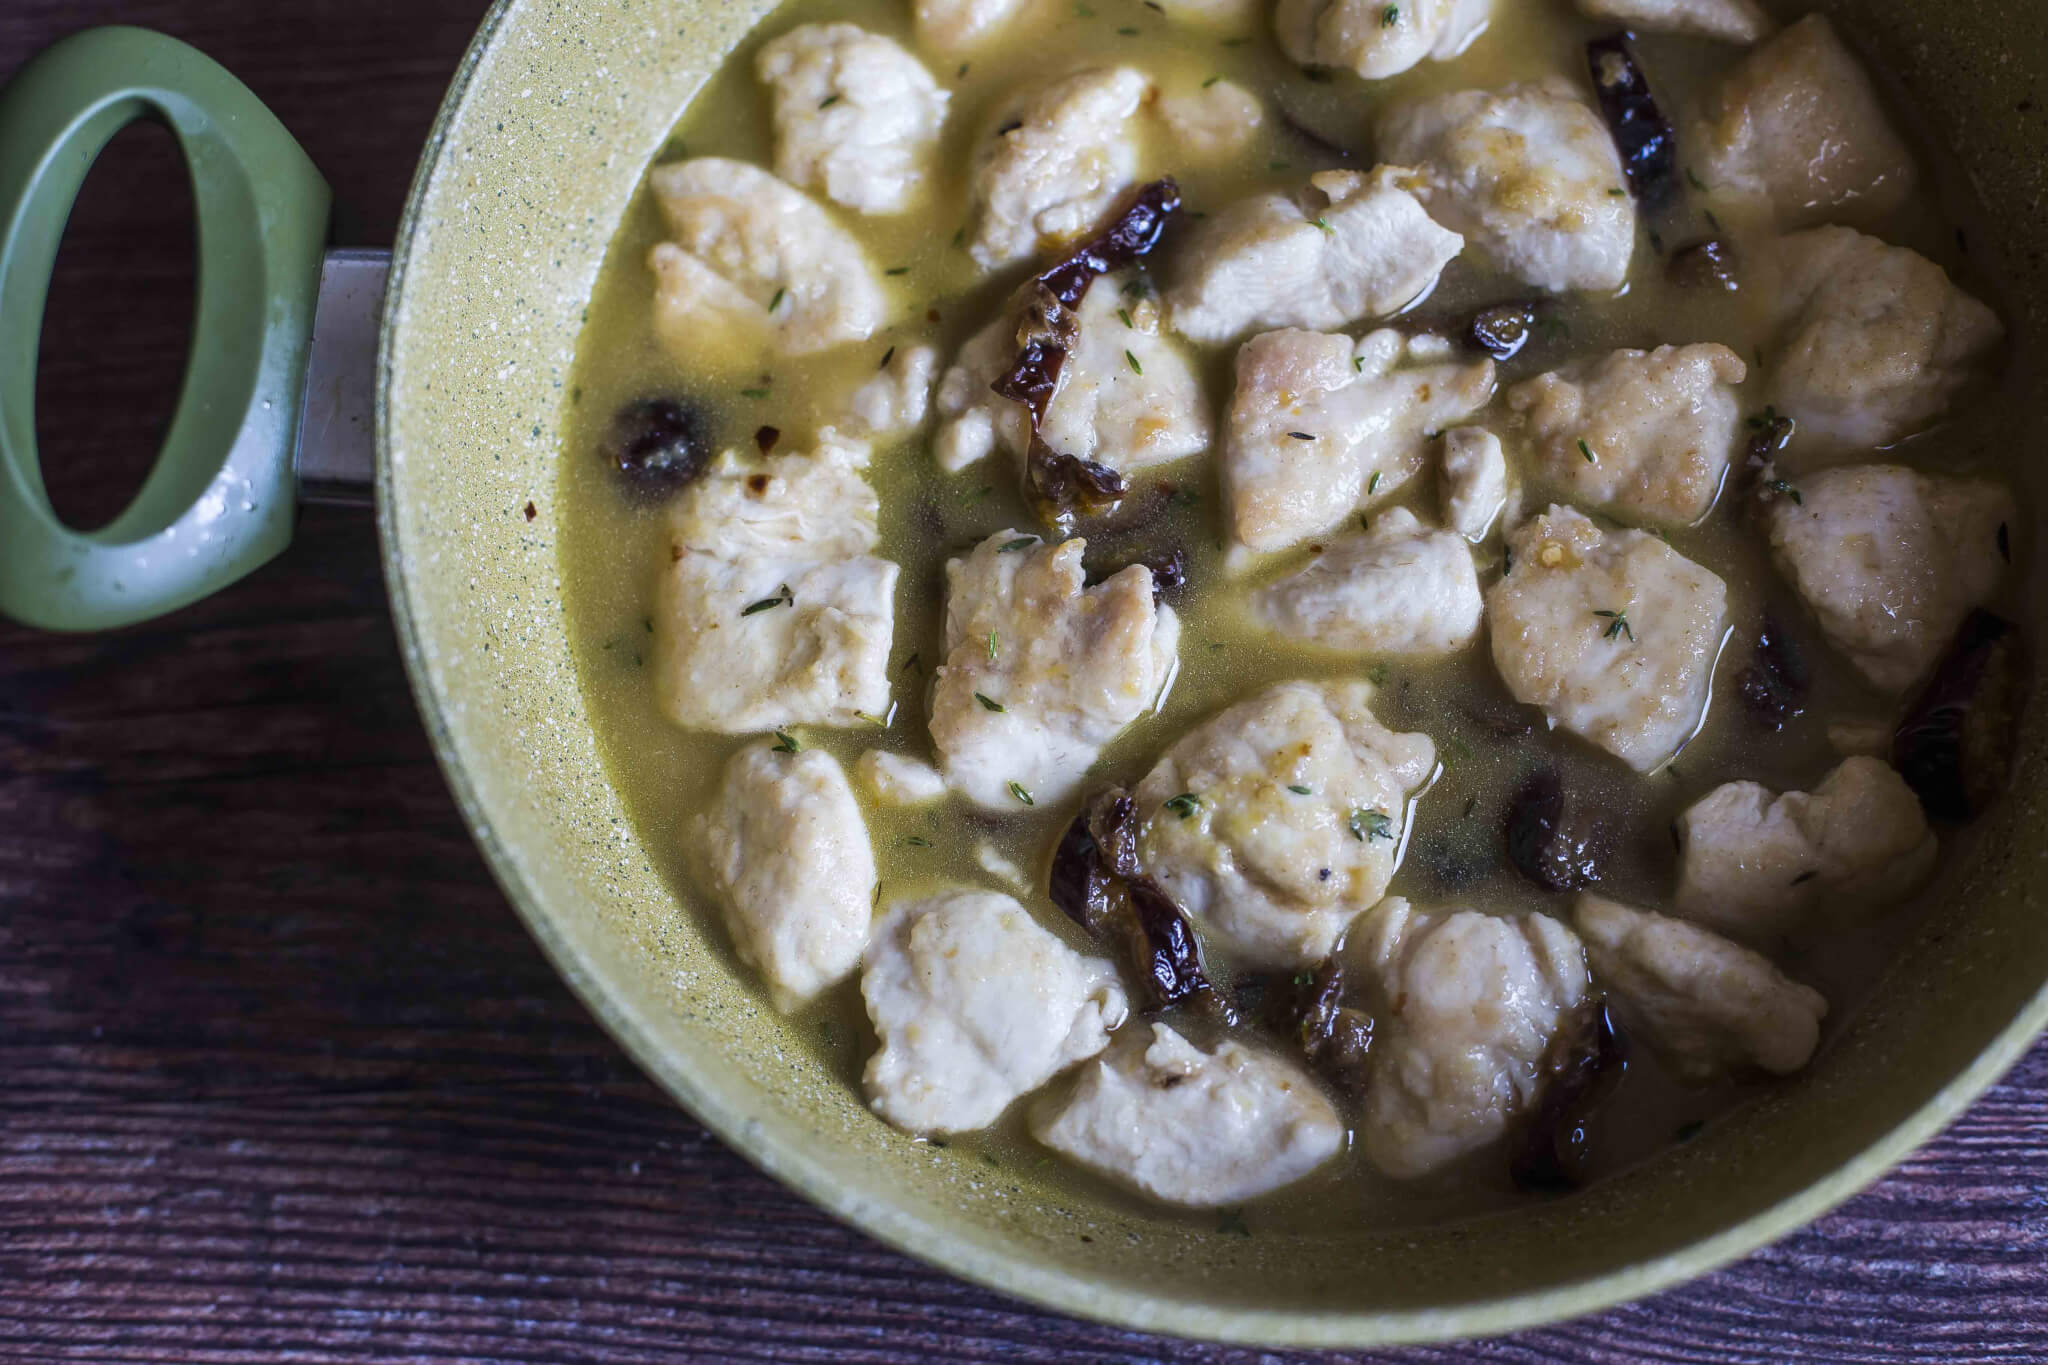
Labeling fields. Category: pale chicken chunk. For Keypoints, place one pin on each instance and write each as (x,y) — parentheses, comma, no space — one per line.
(1874,341)
(898,780)
(1188,1127)
(1731,21)
(1298,821)
(953,28)
(1346,247)
(1474,483)
(1320,426)
(1053,168)
(1707,1006)
(895,398)
(772,608)
(1613,634)
(1528,173)
(1039,671)
(1212,121)
(1797,125)
(1375,39)
(792,868)
(1890,560)
(1466,1007)
(1127,397)
(856,117)
(1756,864)
(753,265)
(1398,588)
(1645,434)
(976,1003)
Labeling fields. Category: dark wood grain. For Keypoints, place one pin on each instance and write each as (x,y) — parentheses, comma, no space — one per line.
(281,1076)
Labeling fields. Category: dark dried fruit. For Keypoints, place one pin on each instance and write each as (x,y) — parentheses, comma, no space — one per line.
(1585,1063)
(1335,1038)
(1703,265)
(1770,431)
(1046,331)
(1955,746)
(1061,488)
(1133,233)
(1643,136)
(1096,880)
(1773,686)
(657,446)
(1502,330)
(1169,567)
(1551,840)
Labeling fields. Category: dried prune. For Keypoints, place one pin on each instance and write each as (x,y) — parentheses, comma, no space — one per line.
(1955,746)
(1060,489)
(1773,686)
(1703,265)
(1309,1009)
(1046,331)
(657,446)
(1169,566)
(1502,330)
(1643,136)
(1133,233)
(1165,950)
(1080,884)
(1551,840)
(1585,1062)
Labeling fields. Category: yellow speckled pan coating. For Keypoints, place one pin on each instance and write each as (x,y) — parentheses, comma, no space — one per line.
(556,111)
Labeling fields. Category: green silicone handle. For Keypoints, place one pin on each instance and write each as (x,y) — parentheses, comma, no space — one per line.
(219,501)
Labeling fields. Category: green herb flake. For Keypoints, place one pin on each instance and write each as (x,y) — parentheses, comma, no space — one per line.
(1184,805)
(1132,361)
(1784,489)
(1322,223)
(1587,451)
(1617,626)
(961,72)
(1378,674)
(753,393)
(989,703)
(897,270)
(1017,790)
(1692,179)
(1127,32)
(991,646)
(1301,436)
(1125,314)
(1364,522)
(1390,16)
(828,101)
(960,236)
(1617,193)
(915,841)
(785,743)
(776,302)
(1368,825)
(1020,543)
(1211,81)
(1372,485)
(1299,790)
(887,356)
(1358,364)
(1276,165)
(783,598)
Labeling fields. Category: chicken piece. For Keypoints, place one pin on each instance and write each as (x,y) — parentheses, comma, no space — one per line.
(754,265)
(895,398)
(1466,1005)
(1645,434)
(1873,341)
(856,117)
(772,609)
(1041,672)
(1528,174)
(1798,125)
(1348,246)
(1374,39)
(1399,588)
(1188,1127)
(897,780)
(1055,165)
(1890,560)
(1754,864)
(1128,396)
(976,1003)
(1299,820)
(1613,634)
(1475,481)
(1709,1007)
(1212,122)
(791,867)
(1731,21)
(1320,426)
(954,28)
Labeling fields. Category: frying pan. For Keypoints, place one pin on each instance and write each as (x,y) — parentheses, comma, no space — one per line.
(450,377)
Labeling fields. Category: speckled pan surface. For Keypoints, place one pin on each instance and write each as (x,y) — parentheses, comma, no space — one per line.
(554,114)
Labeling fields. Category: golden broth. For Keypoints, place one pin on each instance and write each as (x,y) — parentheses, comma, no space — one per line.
(612,550)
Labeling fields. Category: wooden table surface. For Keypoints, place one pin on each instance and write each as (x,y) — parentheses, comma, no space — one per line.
(283,1078)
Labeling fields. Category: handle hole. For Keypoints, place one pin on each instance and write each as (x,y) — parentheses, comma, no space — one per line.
(117,327)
